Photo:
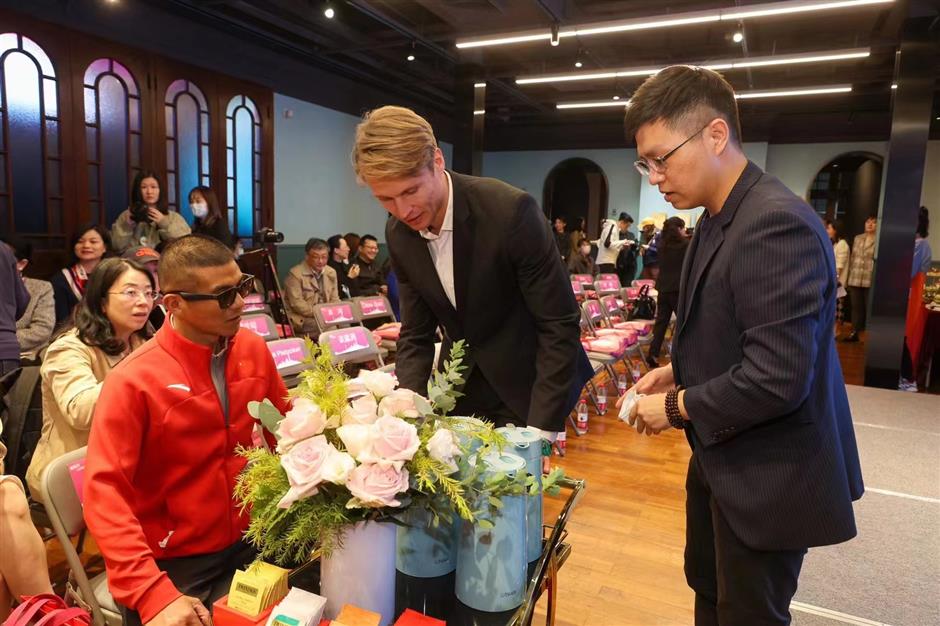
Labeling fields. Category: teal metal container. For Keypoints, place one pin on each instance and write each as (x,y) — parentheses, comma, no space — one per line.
(491,563)
(425,551)
(527,443)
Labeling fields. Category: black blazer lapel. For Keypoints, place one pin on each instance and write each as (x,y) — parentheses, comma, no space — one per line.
(463,245)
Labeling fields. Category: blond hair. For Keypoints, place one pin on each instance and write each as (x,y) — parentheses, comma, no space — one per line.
(392,142)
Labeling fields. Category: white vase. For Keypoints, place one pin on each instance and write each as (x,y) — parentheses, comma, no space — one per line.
(362,571)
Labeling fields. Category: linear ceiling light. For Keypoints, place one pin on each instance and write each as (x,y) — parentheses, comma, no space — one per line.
(788,59)
(742,95)
(788,7)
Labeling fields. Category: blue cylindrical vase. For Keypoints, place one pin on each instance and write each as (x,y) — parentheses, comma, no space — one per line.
(527,443)
(425,550)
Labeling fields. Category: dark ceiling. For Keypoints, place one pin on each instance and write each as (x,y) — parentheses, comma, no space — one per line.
(369,40)
(367,43)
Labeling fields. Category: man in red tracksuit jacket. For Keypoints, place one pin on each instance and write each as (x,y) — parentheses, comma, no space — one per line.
(161,461)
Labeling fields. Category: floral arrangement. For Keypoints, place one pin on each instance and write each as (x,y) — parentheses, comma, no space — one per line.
(352,450)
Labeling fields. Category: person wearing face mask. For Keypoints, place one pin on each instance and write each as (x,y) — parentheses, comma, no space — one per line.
(208,219)
(147,221)
(581,262)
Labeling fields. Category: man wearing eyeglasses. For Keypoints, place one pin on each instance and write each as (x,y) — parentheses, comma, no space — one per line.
(755,380)
(162,458)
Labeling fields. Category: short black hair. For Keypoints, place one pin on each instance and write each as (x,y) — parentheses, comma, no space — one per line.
(333,242)
(315,243)
(366,238)
(180,257)
(683,97)
(561,218)
(94,327)
(836,226)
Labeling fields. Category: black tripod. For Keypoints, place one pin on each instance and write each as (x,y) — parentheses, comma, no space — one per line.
(260,263)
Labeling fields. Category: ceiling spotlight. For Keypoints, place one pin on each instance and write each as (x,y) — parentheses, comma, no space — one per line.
(738,37)
(554,40)
(616,97)
(411,57)
(328,11)
(578,63)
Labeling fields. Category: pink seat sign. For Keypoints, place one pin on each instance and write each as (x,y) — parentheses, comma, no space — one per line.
(77,472)
(287,353)
(338,313)
(348,341)
(373,306)
(257,324)
(608,285)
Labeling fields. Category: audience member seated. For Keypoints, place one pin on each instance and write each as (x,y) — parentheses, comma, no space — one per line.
(208,218)
(23,569)
(147,221)
(309,283)
(352,240)
(12,308)
(89,245)
(673,244)
(163,453)
(581,261)
(339,260)
(110,322)
(150,258)
(370,281)
(34,328)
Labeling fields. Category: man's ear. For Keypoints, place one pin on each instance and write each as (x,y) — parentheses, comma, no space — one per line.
(719,134)
(173,302)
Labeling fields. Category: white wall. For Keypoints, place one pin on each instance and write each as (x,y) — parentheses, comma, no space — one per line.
(529,169)
(315,189)
(797,164)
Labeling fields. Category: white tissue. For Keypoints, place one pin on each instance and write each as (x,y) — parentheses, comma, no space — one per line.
(303,606)
(629,401)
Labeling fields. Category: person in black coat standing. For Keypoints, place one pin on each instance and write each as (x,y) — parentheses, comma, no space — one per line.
(672,246)
(475,257)
(755,379)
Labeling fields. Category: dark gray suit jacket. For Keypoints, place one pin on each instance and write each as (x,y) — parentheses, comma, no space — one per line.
(770,423)
(515,307)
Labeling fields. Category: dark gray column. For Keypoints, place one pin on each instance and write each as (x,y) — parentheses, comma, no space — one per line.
(470,115)
(910,127)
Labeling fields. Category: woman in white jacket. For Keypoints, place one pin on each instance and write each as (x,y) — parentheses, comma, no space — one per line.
(609,245)
(840,248)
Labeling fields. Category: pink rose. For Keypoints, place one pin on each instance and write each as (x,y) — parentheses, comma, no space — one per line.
(362,410)
(378,382)
(394,439)
(358,439)
(400,403)
(304,420)
(304,464)
(374,486)
(442,446)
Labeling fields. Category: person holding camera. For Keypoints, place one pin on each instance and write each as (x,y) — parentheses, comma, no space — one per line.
(147,222)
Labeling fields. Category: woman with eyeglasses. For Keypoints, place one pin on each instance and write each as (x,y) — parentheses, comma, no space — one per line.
(109,323)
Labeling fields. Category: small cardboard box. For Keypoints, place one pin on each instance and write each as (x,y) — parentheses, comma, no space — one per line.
(222,615)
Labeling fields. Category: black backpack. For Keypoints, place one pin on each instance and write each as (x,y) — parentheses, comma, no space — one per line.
(21,412)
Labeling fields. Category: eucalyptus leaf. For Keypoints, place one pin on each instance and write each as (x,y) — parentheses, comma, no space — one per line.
(267,414)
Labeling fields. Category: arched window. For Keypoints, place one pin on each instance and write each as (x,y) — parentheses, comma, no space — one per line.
(243,166)
(187,144)
(30,151)
(112,137)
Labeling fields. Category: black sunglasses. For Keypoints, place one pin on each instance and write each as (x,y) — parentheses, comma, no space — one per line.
(226,297)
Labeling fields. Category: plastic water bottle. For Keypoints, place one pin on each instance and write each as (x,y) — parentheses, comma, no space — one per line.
(602,399)
(562,443)
(582,417)
(621,384)
(635,371)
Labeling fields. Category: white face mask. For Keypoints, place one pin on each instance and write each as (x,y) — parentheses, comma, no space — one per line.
(199,209)
(585,250)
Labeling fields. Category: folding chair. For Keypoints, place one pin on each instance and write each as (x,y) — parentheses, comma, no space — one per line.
(262,325)
(587,283)
(600,363)
(290,357)
(639,282)
(333,315)
(61,485)
(599,325)
(614,313)
(608,277)
(352,346)
(607,286)
(578,288)
(378,308)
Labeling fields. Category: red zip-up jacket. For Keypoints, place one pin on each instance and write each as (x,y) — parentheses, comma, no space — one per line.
(161,462)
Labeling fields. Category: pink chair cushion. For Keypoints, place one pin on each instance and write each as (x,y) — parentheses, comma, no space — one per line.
(388,331)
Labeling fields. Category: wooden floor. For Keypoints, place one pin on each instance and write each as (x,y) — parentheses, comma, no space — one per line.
(628,532)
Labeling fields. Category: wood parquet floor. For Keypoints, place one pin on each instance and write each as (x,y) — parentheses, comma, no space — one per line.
(628,531)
